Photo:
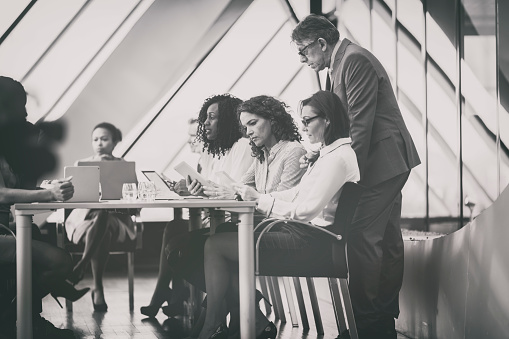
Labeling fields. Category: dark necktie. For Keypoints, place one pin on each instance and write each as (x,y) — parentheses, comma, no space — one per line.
(327,83)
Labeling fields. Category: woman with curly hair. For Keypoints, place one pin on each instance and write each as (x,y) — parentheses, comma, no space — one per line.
(224,149)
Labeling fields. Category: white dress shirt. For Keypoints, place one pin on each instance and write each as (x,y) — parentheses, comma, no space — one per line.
(316,197)
(235,163)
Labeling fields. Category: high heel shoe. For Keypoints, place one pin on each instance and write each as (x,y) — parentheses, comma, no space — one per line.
(269,332)
(67,291)
(74,278)
(176,307)
(99,307)
(152,310)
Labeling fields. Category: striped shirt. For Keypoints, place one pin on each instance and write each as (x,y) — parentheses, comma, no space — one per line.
(279,171)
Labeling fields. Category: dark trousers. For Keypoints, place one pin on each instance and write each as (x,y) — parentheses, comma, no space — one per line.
(375,253)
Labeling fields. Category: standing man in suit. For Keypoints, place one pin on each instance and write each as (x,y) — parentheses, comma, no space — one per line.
(385,153)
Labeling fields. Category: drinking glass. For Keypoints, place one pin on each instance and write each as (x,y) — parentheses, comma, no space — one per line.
(151,188)
(143,191)
(129,191)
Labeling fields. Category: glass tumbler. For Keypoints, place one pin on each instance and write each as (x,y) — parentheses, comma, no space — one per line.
(151,189)
(143,191)
(129,191)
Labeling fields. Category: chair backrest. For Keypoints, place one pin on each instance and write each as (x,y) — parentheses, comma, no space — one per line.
(347,204)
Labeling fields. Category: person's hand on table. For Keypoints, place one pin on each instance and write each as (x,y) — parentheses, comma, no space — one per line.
(215,191)
(247,193)
(61,189)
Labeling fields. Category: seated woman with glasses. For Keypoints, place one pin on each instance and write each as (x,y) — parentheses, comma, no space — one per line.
(314,200)
(224,149)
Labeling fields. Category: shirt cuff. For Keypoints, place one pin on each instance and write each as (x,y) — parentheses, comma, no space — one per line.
(265,204)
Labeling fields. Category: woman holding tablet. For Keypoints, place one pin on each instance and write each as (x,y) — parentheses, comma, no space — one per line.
(224,149)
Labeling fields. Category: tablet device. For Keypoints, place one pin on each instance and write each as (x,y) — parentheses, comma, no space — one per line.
(185,170)
(114,173)
(85,180)
(224,178)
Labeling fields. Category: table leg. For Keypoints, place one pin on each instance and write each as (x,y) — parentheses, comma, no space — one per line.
(24,275)
(246,276)
(195,295)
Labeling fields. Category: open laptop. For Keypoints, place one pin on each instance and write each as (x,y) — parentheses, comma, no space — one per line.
(113,175)
(85,180)
(163,191)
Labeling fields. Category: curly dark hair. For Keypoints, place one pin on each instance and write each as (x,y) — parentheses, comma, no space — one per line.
(228,131)
(282,125)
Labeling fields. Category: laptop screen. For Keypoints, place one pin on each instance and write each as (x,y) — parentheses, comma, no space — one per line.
(163,191)
(113,175)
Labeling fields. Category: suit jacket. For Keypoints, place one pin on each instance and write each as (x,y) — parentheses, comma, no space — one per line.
(381,141)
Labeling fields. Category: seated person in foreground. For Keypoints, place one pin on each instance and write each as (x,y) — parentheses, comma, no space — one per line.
(314,200)
(18,173)
(98,229)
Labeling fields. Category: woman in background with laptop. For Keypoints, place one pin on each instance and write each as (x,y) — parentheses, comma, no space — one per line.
(97,229)
(224,150)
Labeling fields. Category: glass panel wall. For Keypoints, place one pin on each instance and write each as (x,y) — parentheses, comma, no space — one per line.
(465,147)
(479,116)
(503,91)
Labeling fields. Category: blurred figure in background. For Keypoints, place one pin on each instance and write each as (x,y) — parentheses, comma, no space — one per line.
(98,229)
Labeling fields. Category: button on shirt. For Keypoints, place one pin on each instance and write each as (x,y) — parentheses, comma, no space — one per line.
(316,197)
(279,171)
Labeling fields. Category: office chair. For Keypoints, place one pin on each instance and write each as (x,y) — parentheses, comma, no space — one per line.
(347,204)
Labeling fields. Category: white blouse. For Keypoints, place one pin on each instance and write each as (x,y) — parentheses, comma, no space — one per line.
(316,197)
(235,163)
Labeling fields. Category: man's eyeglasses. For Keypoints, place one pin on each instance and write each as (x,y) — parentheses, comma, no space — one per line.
(306,122)
(303,52)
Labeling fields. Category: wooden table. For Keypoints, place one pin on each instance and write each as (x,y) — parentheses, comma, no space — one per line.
(245,210)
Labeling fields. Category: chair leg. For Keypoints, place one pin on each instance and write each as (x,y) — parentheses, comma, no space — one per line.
(68,305)
(314,305)
(343,284)
(265,292)
(277,301)
(289,300)
(337,305)
(130,278)
(300,302)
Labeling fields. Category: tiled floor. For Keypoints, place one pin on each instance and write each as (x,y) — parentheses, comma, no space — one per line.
(118,322)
